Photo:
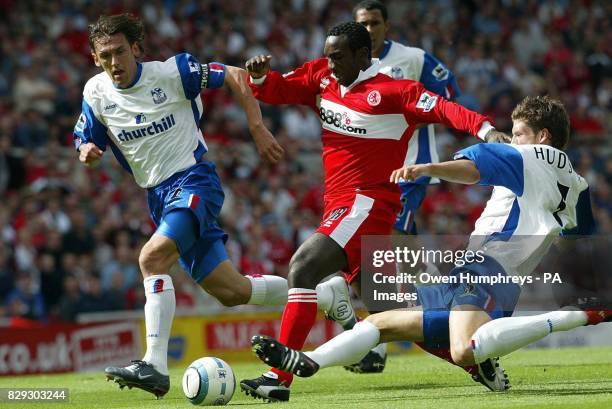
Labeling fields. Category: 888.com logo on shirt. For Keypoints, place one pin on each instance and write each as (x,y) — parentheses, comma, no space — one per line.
(338,120)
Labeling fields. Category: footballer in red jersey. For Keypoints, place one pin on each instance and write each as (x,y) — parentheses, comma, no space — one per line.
(367,120)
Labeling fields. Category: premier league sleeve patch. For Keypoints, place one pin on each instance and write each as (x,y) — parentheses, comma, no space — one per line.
(426,102)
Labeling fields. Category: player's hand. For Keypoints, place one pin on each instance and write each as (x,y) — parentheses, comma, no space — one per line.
(495,136)
(90,154)
(409,173)
(267,146)
(258,66)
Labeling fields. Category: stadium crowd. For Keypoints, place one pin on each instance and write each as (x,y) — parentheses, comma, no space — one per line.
(69,236)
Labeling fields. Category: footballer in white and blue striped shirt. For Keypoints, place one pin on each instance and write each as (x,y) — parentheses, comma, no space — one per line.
(148,114)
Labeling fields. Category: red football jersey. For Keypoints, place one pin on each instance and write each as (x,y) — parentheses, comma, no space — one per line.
(366,126)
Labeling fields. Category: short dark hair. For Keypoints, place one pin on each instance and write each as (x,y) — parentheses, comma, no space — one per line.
(371,5)
(357,35)
(126,24)
(541,112)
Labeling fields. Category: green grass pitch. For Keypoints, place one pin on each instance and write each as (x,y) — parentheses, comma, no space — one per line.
(553,378)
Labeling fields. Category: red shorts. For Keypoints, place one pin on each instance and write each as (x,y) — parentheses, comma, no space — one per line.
(349,217)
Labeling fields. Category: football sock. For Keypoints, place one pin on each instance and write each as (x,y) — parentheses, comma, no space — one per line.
(298,318)
(325,296)
(268,290)
(502,336)
(273,290)
(159,312)
(348,347)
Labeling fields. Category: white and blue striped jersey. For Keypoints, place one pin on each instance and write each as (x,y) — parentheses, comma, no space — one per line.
(537,195)
(401,62)
(152,126)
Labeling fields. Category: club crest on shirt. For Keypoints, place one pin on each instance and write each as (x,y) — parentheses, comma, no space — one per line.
(324,82)
(159,96)
(374,98)
(396,73)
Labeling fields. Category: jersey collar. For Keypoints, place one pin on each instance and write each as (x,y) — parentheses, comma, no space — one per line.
(136,78)
(385,50)
(370,72)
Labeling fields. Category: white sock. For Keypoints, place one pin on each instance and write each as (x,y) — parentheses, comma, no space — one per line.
(348,347)
(502,336)
(159,312)
(268,290)
(325,296)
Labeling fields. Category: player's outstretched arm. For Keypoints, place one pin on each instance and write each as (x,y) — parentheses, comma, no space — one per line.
(90,154)
(266,144)
(458,171)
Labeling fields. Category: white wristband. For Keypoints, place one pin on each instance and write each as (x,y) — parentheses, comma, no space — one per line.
(258,81)
(484,129)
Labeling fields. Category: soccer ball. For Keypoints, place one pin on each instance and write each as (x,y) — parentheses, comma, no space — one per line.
(209,381)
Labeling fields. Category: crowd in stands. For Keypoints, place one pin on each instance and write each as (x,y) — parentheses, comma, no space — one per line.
(70,236)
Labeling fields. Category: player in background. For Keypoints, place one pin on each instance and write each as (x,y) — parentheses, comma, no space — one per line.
(367,120)
(533,196)
(149,114)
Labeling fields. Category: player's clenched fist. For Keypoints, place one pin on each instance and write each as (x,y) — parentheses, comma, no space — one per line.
(90,154)
(409,173)
(258,66)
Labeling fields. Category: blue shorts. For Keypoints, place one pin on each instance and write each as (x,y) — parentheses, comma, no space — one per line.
(412,195)
(498,300)
(197,189)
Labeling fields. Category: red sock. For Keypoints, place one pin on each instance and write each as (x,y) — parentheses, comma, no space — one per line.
(298,318)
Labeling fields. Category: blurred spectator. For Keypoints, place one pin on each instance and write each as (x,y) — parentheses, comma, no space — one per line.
(125,264)
(70,299)
(25,300)
(115,293)
(94,298)
(55,218)
(7,274)
(51,279)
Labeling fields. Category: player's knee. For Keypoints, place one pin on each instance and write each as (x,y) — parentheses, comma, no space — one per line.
(462,354)
(387,327)
(156,257)
(303,270)
(377,320)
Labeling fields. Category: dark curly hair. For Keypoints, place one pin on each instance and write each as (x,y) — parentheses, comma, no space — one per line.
(126,24)
(370,5)
(357,35)
(541,112)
